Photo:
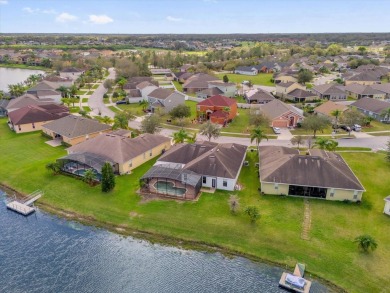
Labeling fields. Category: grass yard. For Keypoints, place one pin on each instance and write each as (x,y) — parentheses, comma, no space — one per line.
(114,109)
(74,109)
(81,92)
(84,100)
(135,108)
(330,253)
(260,79)
(87,109)
(95,86)
(376,126)
(178,86)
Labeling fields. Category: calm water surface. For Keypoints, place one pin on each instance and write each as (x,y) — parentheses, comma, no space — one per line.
(14,75)
(43,253)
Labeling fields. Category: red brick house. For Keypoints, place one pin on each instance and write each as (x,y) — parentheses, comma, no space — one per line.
(218,109)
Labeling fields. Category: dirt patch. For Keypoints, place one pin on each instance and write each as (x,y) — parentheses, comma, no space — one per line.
(133,214)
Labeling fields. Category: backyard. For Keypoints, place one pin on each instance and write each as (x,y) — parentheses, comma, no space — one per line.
(260,79)
(330,253)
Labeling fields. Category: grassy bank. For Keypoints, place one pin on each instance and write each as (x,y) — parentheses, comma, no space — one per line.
(23,66)
(330,253)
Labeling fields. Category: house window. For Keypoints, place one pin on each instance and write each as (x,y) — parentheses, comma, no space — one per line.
(276,186)
(131,164)
(150,153)
(331,192)
(204,179)
(355,194)
(224,183)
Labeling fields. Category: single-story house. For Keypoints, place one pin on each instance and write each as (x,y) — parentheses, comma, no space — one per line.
(229,89)
(26,100)
(71,72)
(258,96)
(32,118)
(372,108)
(281,114)
(160,71)
(359,91)
(327,108)
(386,210)
(181,171)
(330,91)
(247,70)
(363,78)
(164,99)
(182,77)
(282,89)
(124,153)
(323,175)
(47,90)
(383,87)
(134,96)
(207,93)
(218,109)
(301,95)
(198,82)
(74,129)
(59,81)
(3,107)
(285,77)
(146,87)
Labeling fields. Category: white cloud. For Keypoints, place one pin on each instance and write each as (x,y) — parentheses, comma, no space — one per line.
(3,2)
(174,19)
(38,10)
(65,17)
(100,19)
(30,10)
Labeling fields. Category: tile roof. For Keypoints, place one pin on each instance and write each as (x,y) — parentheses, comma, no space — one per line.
(117,148)
(74,126)
(327,170)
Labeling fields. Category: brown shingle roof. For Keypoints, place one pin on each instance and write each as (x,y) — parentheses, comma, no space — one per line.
(328,170)
(34,114)
(27,100)
(276,108)
(372,105)
(328,107)
(75,126)
(329,89)
(160,93)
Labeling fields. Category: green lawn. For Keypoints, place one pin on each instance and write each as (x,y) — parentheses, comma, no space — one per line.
(376,126)
(95,86)
(260,79)
(136,108)
(178,86)
(84,100)
(74,109)
(87,109)
(114,109)
(330,252)
(81,92)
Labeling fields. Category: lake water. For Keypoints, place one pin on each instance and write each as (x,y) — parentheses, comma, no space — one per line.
(14,75)
(42,253)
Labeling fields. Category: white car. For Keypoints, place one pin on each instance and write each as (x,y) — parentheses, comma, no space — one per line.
(276,130)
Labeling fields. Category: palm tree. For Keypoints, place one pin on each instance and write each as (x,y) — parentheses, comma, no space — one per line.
(326,144)
(106,120)
(210,130)
(144,104)
(180,136)
(336,114)
(386,114)
(89,176)
(366,242)
(258,135)
(16,90)
(64,91)
(73,90)
(54,167)
(121,120)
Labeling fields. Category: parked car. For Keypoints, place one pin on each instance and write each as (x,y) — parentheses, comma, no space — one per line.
(346,128)
(122,102)
(357,128)
(276,130)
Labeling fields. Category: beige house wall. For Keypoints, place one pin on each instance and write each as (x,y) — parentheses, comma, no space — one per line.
(128,166)
(287,78)
(29,127)
(348,82)
(75,140)
(269,188)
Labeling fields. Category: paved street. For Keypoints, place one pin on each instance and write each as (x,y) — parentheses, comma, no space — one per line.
(324,79)
(95,101)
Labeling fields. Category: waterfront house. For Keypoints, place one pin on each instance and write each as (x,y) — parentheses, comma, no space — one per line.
(33,117)
(46,90)
(218,109)
(3,107)
(301,95)
(321,174)
(74,129)
(26,100)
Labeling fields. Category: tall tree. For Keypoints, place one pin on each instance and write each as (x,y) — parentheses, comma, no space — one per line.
(108,177)
(304,76)
(315,123)
(180,112)
(151,124)
(258,135)
(210,130)
(64,91)
(298,140)
(336,114)
(121,120)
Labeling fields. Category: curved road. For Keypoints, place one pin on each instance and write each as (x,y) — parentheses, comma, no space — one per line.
(95,101)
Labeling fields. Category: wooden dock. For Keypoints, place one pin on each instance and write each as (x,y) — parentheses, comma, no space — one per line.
(24,207)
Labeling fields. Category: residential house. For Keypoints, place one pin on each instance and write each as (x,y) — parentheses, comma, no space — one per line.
(383,87)
(358,91)
(46,90)
(322,175)
(33,117)
(186,67)
(301,95)
(185,168)
(71,72)
(198,82)
(247,70)
(26,100)
(134,96)
(207,93)
(363,78)
(124,153)
(3,107)
(74,129)
(372,108)
(229,89)
(281,114)
(285,78)
(182,76)
(258,96)
(160,71)
(59,81)
(327,108)
(218,109)
(164,99)
(330,91)
(146,88)
(282,89)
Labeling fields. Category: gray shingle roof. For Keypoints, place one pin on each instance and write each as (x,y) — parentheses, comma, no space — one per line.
(276,108)
(74,126)
(27,100)
(284,165)
(34,114)
(329,89)
(372,105)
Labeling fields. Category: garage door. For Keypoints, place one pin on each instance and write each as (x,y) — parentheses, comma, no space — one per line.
(279,123)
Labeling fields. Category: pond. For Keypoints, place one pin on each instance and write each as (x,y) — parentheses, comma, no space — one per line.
(43,253)
(14,75)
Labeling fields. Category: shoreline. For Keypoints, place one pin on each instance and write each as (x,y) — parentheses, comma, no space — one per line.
(162,239)
(23,66)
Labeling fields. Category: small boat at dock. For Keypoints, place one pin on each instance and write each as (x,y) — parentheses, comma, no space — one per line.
(295,282)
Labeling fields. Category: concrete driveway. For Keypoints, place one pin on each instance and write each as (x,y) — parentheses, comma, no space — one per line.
(285,134)
(95,101)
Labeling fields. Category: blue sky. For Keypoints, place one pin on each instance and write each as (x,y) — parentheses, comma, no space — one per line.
(193,16)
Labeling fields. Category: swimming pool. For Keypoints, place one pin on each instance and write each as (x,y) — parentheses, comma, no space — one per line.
(169,188)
